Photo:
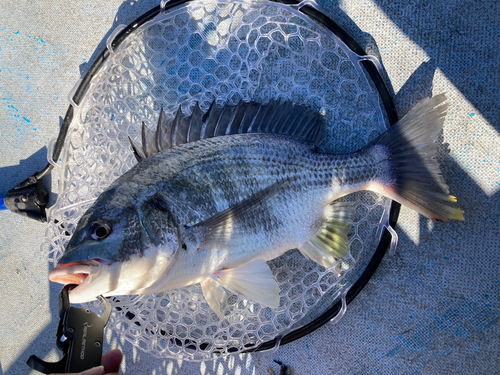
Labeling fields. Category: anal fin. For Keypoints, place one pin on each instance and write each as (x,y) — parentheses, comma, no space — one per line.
(215,294)
(329,244)
(253,279)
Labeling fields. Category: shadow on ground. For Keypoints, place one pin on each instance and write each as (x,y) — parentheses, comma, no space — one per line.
(462,38)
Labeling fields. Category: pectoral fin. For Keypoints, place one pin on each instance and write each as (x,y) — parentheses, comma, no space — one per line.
(228,223)
(329,244)
(254,280)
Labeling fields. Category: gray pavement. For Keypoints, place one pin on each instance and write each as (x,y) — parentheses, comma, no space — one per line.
(433,308)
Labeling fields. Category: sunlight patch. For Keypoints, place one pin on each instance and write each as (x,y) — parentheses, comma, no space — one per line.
(389,35)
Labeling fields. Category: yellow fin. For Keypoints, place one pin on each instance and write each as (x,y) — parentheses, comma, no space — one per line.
(458,214)
(329,244)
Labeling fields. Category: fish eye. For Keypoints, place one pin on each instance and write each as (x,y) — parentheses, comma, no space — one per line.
(100,230)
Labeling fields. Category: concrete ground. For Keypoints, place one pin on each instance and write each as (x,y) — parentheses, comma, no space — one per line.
(433,308)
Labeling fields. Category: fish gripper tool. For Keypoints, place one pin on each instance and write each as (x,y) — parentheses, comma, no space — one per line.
(79,336)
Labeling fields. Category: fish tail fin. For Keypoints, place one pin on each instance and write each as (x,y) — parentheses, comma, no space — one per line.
(407,151)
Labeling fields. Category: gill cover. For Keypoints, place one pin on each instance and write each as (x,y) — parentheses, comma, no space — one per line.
(160,225)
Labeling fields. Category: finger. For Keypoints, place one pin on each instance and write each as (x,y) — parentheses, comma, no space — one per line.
(93,371)
(111,361)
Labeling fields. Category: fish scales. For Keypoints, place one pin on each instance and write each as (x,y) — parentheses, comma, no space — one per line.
(215,174)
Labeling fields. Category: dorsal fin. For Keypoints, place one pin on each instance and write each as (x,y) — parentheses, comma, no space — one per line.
(279,118)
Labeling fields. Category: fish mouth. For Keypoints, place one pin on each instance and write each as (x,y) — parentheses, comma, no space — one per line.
(72,273)
(75,273)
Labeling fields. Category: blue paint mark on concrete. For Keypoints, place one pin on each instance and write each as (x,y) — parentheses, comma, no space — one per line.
(18,131)
(39,40)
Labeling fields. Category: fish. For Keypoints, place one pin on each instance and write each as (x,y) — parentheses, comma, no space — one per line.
(215,195)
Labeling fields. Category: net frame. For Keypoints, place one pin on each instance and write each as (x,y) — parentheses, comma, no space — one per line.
(370,65)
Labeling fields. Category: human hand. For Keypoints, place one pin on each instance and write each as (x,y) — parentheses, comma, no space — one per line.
(110,365)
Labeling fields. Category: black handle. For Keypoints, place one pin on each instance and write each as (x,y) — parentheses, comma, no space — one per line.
(79,335)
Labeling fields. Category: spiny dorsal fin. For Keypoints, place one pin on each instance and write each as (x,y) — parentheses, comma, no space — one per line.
(329,244)
(148,141)
(279,118)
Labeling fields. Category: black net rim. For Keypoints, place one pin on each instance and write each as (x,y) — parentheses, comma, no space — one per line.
(377,80)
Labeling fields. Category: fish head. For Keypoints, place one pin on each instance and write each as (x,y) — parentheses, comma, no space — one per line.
(117,249)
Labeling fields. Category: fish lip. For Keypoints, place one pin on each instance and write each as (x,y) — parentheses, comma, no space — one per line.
(76,272)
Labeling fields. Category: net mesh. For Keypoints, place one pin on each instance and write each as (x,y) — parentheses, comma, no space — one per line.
(206,51)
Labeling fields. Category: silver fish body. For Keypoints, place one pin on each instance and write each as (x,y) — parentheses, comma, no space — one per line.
(214,210)
(200,180)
